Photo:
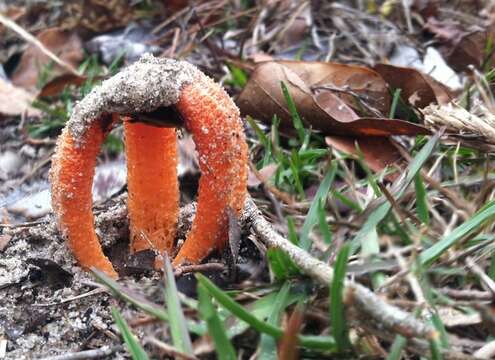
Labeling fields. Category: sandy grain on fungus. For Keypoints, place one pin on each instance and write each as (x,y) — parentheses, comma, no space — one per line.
(141,87)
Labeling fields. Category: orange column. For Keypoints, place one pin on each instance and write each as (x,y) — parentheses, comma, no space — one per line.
(153,188)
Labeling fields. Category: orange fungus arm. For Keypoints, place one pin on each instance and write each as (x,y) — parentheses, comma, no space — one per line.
(72,173)
(153,202)
(214,121)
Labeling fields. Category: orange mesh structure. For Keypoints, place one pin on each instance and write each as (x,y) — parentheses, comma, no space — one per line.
(153,202)
(214,121)
(72,180)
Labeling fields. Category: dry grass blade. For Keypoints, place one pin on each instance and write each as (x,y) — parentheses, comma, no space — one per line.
(461,122)
(288,344)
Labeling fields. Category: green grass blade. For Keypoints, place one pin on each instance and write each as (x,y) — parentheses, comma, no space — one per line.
(421,200)
(443,337)
(141,303)
(292,233)
(296,119)
(261,308)
(259,133)
(491,270)
(435,348)
(312,215)
(135,349)
(346,201)
(268,345)
(319,342)
(119,291)
(176,319)
(325,230)
(337,311)
(264,140)
(238,310)
(381,211)
(239,77)
(295,169)
(216,329)
(370,177)
(428,256)
(396,349)
(395,102)
(281,264)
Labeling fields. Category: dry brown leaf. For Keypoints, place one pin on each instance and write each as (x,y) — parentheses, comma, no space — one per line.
(345,81)
(67,46)
(378,152)
(15,100)
(417,89)
(13,13)
(462,46)
(322,110)
(58,84)
(324,94)
(264,174)
(452,317)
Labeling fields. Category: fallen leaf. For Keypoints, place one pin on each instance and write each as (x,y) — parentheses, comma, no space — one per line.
(452,317)
(426,8)
(288,348)
(96,16)
(15,100)
(345,81)
(127,44)
(320,109)
(67,46)
(469,50)
(297,26)
(264,175)
(324,95)
(13,13)
(58,84)
(462,46)
(417,89)
(378,152)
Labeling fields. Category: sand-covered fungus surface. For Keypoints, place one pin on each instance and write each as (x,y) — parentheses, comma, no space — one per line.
(141,87)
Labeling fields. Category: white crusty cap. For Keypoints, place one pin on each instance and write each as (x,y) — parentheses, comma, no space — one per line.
(141,87)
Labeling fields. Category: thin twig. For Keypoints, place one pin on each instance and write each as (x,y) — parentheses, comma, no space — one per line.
(484,278)
(73,298)
(487,351)
(31,39)
(358,296)
(475,295)
(186,269)
(169,350)
(104,351)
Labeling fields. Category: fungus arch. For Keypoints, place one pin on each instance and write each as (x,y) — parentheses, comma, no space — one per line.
(214,122)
